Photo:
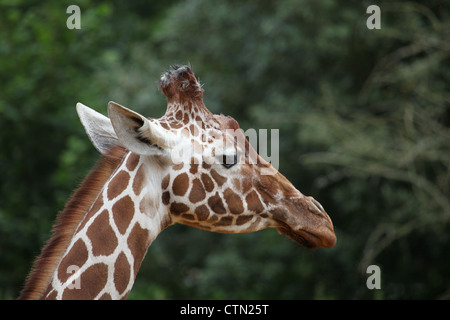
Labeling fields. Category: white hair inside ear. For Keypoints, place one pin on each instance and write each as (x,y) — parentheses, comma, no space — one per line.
(98,128)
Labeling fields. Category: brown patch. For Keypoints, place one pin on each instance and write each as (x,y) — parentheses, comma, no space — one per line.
(216,204)
(178,166)
(145,204)
(197,192)
(233,201)
(246,184)
(179,115)
(224,221)
(165,182)
(253,202)
(105,296)
(194,130)
(180,184)
(138,183)
(186,118)
(138,243)
(194,167)
(123,211)
(164,125)
(242,219)
(177,208)
(118,184)
(207,182)
(165,197)
(175,124)
(102,236)
(122,273)
(51,296)
(77,256)
(206,166)
(237,184)
(132,161)
(92,281)
(213,218)
(188,216)
(202,213)
(218,178)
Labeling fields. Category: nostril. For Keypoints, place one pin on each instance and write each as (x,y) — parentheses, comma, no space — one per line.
(317,205)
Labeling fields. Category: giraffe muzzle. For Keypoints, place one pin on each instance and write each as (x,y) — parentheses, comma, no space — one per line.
(305,221)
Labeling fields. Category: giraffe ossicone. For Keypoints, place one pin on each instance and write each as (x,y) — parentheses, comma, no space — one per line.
(189,166)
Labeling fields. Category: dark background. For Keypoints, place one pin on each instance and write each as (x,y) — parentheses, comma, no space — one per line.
(364,127)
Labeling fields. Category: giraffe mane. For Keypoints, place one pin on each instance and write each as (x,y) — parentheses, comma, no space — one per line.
(67,222)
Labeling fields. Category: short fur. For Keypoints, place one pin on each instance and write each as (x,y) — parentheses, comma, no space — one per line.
(67,222)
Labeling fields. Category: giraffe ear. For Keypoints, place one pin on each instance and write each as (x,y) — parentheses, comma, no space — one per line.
(137,133)
(98,128)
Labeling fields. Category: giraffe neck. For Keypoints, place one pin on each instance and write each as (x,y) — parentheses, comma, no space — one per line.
(182,111)
(108,246)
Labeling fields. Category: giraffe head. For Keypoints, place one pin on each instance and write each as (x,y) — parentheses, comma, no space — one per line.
(204,171)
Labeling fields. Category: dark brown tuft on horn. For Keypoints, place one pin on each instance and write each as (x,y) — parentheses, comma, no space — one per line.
(180,84)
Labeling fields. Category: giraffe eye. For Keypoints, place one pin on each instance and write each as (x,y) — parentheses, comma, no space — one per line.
(229,161)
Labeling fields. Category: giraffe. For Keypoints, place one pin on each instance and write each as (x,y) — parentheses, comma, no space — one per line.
(147,181)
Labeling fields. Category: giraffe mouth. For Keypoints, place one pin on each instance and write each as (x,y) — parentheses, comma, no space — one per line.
(302,237)
(318,236)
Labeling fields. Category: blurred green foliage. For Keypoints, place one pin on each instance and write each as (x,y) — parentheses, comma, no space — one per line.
(363,115)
